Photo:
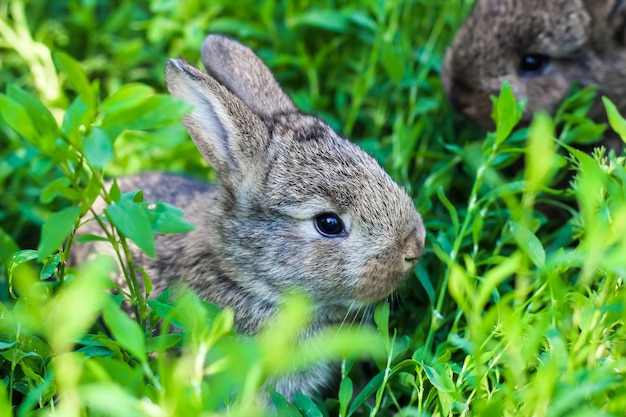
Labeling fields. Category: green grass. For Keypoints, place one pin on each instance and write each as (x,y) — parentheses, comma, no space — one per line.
(517,307)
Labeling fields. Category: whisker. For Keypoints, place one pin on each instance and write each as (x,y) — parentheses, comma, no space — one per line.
(366,315)
(354,316)
(350,307)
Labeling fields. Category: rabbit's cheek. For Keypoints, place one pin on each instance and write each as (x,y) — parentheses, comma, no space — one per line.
(384,274)
(461,95)
(476,106)
(479,111)
(547,93)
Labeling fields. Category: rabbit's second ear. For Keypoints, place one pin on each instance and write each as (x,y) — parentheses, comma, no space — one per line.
(226,132)
(620,7)
(618,19)
(241,71)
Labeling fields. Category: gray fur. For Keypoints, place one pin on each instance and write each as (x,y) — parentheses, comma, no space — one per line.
(277,170)
(585,39)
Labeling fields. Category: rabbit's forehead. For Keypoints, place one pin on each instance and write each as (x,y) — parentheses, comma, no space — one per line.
(499,30)
(327,173)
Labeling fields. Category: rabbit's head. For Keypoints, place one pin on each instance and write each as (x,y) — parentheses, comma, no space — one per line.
(298,207)
(542,47)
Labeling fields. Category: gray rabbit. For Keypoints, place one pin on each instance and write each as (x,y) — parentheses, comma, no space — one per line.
(541,47)
(295,206)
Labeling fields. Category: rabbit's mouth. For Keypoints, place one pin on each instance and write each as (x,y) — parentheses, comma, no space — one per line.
(382,280)
(388,269)
(377,289)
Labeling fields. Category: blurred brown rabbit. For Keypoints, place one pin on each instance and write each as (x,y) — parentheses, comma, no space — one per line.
(295,206)
(541,47)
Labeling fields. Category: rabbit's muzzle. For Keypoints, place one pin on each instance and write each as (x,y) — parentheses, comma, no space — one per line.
(473,103)
(387,270)
(412,249)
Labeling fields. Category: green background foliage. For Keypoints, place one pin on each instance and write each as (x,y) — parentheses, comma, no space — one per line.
(517,307)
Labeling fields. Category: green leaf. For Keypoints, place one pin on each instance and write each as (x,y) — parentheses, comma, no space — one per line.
(616,120)
(283,407)
(108,398)
(29,372)
(73,119)
(588,411)
(237,27)
(585,133)
(164,341)
(166,218)
(7,245)
(494,277)
(307,406)
(130,95)
(506,113)
(577,395)
(134,196)
(163,310)
(77,78)
(98,148)
(454,215)
(20,257)
(75,308)
(114,192)
(578,102)
(393,64)
(460,286)
(424,279)
(160,110)
(60,186)
(51,190)
(367,391)
(439,377)
(362,19)
(133,222)
(34,397)
(529,243)
(345,394)
(323,19)
(17,118)
(147,283)
(43,120)
(381,318)
(95,351)
(6,345)
(13,161)
(88,237)
(154,112)
(50,266)
(90,193)
(540,152)
(6,408)
(126,331)
(55,230)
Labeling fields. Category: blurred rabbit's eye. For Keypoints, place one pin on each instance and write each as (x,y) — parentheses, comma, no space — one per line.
(533,64)
(329,225)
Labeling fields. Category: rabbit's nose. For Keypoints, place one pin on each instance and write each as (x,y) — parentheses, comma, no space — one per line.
(412,248)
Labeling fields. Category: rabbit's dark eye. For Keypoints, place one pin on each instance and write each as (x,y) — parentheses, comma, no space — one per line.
(329,225)
(533,64)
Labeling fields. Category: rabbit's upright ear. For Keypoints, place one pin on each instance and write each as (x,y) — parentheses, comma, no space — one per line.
(243,73)
(226,132)
(618,19)
(619,7)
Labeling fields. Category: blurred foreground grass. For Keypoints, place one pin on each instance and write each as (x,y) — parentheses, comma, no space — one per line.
(517,307)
